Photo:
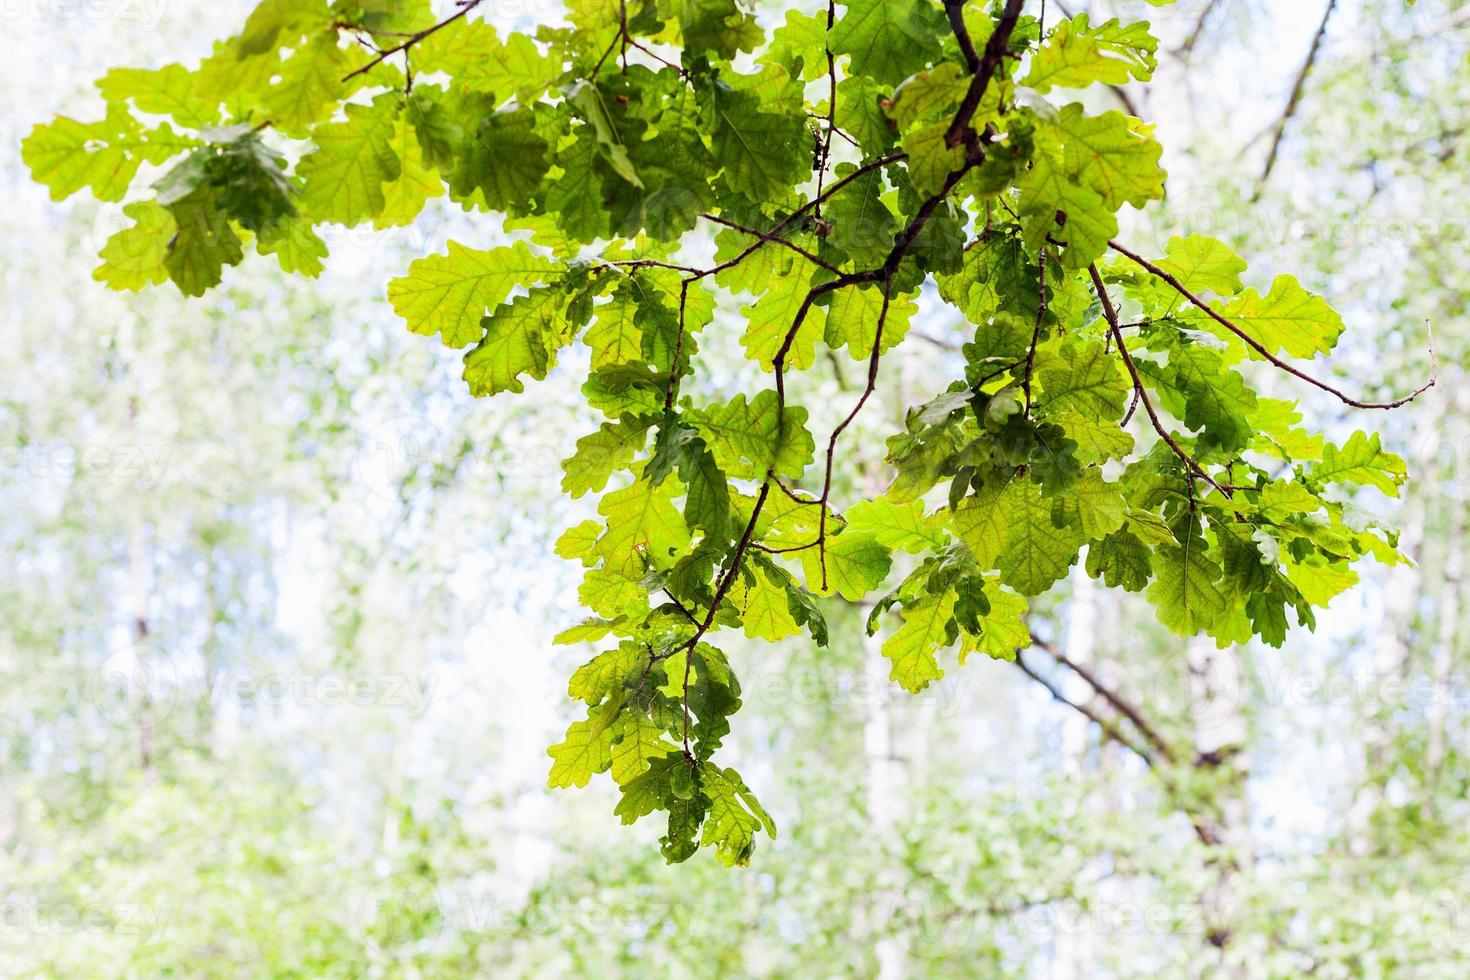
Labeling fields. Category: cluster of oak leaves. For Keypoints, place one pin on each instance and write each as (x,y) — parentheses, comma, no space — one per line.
(601,144)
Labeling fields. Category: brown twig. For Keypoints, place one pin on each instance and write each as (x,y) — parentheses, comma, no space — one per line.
(1035,330)
(824,148)
(995,51)
(1187,47)
(1297,88)
(1108,728)
(1260,349)
(1111,314)
(465,7)
(775,239)
(989,62)
(634,42)
(1122,704)
(868,389)
(673,384)
(955,11)
(1205,827)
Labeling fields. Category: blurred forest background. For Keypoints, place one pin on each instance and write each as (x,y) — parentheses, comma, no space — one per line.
(276,602)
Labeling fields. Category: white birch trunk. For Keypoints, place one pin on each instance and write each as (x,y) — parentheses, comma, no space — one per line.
(886,783)
(138,580)
(1451,616)
(1075,952)
(1217,689)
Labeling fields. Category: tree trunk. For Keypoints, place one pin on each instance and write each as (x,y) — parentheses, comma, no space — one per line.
(1451,616)
(1217,687)
(1390,664)
(138,577)
(1451,609)
(887,778)
(209,652)
(1075,952)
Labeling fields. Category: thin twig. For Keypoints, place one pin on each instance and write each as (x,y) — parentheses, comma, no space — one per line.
(657,57)
(939,342)
(1111,314)
(1109,729)
(1205,828)
(868,389)
(1187,47)
(999,39)
(465,7)
(681,607)
(792,218)
(1036,330)
(1122,95)
(955,10)
(648,264)
(1260,349)
(795,497)
(996,48)
(674,372)
(824,148)
(776,239)
(1122,704)
(1297,88)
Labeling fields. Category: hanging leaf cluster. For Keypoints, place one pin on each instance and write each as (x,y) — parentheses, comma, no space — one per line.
(844,164)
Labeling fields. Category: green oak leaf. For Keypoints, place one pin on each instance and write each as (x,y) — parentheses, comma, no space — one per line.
(899,526)
(760,152)
(587,747)
(449,294)
(1203,264)
(888,40)
(345,174)
(501,161)
(521,338)
(855,564)
(928,627)
(1361,461)
(1287,318)
(601,454)
(203,243)
(734,816)
(749,437)
(1076,55)
(168,91)
(1186,593)
(104,156)
(137,255)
